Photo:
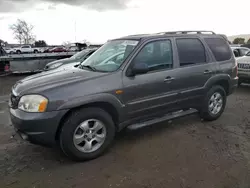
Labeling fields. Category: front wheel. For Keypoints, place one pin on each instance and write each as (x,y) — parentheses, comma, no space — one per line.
(87,133)
(214,103)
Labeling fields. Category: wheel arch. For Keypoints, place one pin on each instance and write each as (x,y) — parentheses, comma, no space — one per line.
(221,80)
(106,106)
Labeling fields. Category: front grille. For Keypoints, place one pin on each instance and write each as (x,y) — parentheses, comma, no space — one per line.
(14,101)
(243,66)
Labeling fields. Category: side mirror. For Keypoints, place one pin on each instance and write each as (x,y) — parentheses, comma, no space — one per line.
(139,68)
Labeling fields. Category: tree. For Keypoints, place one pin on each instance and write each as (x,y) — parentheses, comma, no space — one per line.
(248,42)
(23,32)
(239,41)
(40,43)
(1,42)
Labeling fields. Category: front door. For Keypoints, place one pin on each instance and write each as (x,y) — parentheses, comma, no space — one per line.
(152,92)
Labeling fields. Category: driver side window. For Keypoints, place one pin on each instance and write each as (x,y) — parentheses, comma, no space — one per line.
(156,55)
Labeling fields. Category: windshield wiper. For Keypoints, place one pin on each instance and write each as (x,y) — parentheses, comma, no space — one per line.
(88,67)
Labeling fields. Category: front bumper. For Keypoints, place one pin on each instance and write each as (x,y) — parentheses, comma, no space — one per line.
(38,128)
(244,74)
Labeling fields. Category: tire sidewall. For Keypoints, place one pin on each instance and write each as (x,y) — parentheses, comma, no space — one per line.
(70,125)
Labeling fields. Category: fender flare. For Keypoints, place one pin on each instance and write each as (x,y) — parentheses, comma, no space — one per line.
(217,78)
(84,100)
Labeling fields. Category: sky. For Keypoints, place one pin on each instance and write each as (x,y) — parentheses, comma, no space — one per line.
(58,21)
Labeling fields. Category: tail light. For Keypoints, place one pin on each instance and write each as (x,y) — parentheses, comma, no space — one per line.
(236,67)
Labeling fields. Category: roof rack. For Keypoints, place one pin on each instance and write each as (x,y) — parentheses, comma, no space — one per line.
(187,32)
(136,35)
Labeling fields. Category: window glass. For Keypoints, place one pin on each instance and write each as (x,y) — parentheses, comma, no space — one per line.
(157,55)
(191,51)
(220,48)
(244,51)
(111,55)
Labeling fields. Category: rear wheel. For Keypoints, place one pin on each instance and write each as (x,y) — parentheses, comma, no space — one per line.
(214,103)
(87,134)
(35,51)
(18,51)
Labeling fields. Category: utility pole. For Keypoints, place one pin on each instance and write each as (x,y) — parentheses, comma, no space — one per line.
(75,31)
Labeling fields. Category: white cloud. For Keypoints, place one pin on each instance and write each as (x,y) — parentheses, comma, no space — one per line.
(58,25)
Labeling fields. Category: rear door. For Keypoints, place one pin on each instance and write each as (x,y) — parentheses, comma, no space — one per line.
(195,68)
(151,93)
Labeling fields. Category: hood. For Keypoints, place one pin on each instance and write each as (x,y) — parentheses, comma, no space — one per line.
(64,61)
(41,82)
(67,66)
(243,59)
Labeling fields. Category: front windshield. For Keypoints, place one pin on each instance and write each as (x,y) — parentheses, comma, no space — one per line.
(111,55)
(248,53)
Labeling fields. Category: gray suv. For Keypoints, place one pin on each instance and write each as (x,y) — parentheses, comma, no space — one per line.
(131,81)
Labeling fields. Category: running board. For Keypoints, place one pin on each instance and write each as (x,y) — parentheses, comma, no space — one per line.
(170,116)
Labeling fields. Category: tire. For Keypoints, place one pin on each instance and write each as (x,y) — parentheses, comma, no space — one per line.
(205,112)
(71,127)
(18,52)
(35,51)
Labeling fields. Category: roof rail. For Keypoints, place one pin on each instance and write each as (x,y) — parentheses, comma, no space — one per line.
(136,35)
(187,32)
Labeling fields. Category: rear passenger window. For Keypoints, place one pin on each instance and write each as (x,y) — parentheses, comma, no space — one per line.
(220,48)
(191,51)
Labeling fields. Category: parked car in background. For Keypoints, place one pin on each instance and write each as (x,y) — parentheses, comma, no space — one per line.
(43,49)
(149,79)
(47,49)
(244,68)
(78,57)
(73,49)
(26,49)
(9,50)
(57,50)
(240,51)
(245,45)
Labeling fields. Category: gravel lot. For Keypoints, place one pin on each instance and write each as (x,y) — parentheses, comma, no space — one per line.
(184,153)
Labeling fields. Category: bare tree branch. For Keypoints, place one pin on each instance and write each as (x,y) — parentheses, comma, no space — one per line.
(22,32)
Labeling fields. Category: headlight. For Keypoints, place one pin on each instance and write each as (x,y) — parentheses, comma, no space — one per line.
(55,65)
(33,103)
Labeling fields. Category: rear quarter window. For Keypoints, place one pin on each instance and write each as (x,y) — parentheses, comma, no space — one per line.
(219,48)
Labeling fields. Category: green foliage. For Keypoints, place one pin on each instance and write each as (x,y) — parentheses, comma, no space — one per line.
(239,41)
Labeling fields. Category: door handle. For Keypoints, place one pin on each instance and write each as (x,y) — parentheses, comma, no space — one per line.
(168,79)
(207,72)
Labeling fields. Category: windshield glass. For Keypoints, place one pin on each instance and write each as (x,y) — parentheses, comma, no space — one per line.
(111,55)
(80,54)
(248,53)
